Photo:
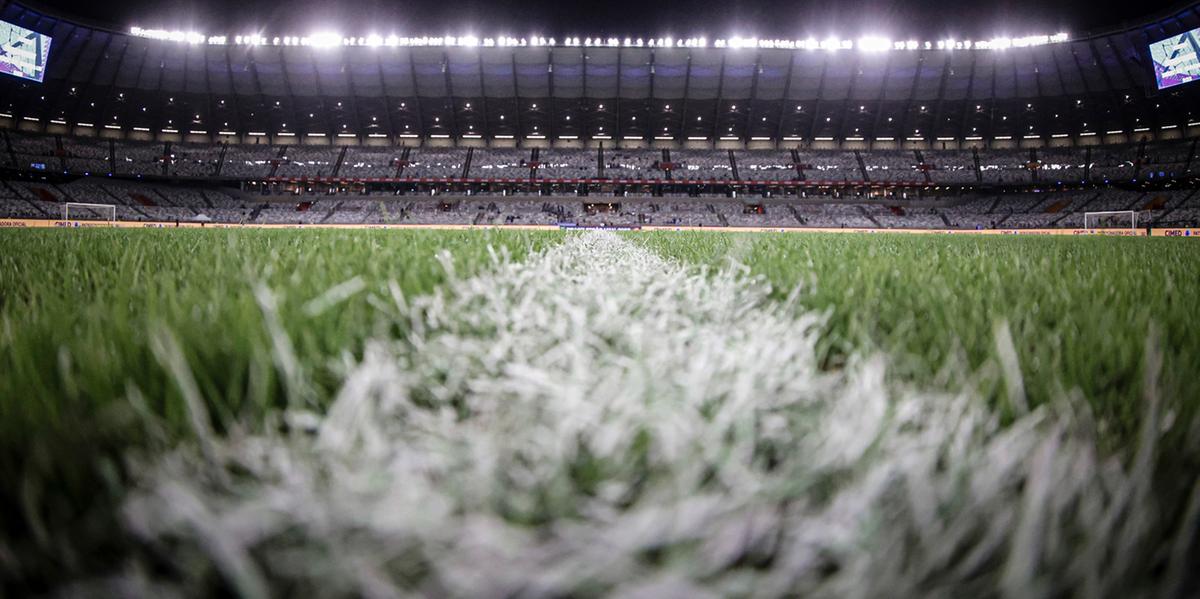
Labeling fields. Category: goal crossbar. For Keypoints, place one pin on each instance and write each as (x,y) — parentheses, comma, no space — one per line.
(111,209)
(1089,217)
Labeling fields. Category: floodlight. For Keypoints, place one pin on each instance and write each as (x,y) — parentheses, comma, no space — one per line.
(324,40)
(874,44)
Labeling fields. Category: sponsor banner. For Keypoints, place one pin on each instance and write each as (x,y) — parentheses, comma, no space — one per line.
(1175,232)
(575,227)
(1073,232)
(17,223)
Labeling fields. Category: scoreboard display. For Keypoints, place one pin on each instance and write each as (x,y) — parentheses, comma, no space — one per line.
(1176,59)
(23,53)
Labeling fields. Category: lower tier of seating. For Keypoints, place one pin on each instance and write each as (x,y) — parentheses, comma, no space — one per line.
(138,201)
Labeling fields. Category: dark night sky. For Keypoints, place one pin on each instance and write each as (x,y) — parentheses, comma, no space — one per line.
(898,19)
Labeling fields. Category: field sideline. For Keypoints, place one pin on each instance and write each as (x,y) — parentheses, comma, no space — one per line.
(1124,232)
(508,412)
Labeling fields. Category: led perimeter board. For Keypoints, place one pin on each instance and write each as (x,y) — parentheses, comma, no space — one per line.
(1176,59)
(23,53)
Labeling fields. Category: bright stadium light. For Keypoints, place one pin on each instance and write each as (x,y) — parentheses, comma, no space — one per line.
(189,37)
(324,40)
(869,43)
(874,44)
(1000,43)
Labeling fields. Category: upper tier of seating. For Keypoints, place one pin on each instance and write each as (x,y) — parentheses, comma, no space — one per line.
(96,156)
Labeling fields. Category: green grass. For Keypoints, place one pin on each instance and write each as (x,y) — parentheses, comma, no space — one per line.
(1079,309)
(267,320)
(79,310)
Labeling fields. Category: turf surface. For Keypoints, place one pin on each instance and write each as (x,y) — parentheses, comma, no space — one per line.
(1079,309)
(106,336)
(79,311)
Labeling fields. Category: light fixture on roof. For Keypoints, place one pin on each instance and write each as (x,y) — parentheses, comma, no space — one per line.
(324,39)
(874,44)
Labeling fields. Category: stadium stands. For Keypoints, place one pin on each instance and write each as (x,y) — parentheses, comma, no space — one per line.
(146,201)
(920,137)
(372,163)
(1115,163)
(567,164)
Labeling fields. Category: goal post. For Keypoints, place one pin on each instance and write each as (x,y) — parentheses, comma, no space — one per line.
(86,211)
(1110,219)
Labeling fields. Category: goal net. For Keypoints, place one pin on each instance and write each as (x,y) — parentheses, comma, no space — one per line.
(1112,219)
(84,211)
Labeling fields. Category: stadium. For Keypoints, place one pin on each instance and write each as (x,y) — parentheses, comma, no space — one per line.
(461,314)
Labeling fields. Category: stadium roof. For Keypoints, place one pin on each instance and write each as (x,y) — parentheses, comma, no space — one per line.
(1098,84)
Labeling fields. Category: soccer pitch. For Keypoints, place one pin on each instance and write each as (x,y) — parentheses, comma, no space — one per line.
(513,413)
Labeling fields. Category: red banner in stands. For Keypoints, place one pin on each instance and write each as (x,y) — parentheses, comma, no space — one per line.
(742,182)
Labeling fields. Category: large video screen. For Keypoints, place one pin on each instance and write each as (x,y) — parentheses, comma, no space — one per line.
(1176,59)
(23,53)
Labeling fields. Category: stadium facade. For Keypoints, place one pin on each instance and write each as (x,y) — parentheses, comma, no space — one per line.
(1026,133)
(1085,90)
